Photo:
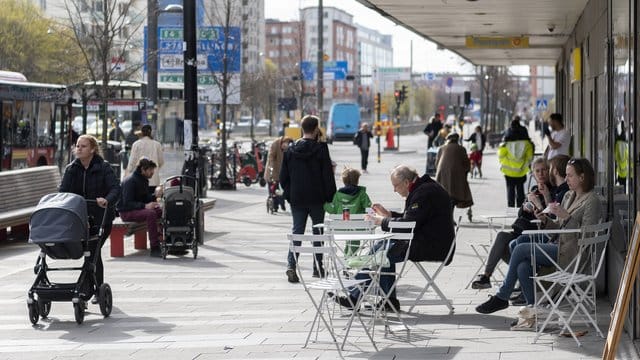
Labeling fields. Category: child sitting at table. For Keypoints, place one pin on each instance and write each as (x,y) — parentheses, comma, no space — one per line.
(352,197)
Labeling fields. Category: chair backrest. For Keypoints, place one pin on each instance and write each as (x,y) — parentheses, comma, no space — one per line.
(592,247)
(314,245)
(403,231)
(350,226)
(452,248)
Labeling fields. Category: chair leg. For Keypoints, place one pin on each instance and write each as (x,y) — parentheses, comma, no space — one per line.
(431,283)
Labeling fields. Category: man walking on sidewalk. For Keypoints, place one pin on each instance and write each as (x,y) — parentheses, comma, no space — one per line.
(307,179)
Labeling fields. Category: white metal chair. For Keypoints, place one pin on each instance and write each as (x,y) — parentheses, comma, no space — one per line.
(431,279)
(572,290)
(402,231)
(495,223)
(333,282)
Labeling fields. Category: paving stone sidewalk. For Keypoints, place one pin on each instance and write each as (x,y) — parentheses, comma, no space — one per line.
(234,302)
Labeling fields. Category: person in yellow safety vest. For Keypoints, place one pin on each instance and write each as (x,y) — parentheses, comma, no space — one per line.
(515,155)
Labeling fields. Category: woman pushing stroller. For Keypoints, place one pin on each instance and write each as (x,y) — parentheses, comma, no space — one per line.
(91,177)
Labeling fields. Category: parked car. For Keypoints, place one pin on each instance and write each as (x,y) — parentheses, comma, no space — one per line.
(264,123)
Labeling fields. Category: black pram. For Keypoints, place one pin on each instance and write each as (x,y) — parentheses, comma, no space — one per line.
(62,228)
(182,217)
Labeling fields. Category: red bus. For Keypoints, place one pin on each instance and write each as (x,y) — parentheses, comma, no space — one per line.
(31,114)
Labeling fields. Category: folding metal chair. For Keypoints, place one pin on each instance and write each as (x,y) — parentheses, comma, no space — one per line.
(481,249)
(431,279)
(360,226)
(572,290)
(402,231)
(333,282)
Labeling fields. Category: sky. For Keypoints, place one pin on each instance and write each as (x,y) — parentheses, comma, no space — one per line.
(426,57)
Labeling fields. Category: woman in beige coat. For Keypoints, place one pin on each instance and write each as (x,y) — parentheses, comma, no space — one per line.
(452,164)
(274,160)
(149,148)
(580,206)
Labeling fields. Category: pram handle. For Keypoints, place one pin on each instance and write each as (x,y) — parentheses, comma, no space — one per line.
(168,180)
(104,214)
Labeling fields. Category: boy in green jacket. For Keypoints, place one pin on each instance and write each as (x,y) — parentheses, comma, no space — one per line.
(350,196)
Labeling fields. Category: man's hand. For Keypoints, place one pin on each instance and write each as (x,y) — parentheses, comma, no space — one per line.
(152,205)
(380,210)
(102,202)
(377,219)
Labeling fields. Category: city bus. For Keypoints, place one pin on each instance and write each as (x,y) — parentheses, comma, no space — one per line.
(31,112)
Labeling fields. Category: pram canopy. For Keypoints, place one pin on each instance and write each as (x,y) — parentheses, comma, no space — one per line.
(59,225)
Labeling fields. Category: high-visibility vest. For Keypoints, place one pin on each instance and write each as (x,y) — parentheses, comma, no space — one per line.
(622,158)
(515,157)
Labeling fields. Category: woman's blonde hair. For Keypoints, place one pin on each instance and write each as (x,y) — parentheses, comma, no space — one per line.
(93,143)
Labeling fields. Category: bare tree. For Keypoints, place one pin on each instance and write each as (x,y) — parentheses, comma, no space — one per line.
(227,15)
(105,31)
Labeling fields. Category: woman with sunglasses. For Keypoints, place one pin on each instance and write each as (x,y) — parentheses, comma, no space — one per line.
(580,206)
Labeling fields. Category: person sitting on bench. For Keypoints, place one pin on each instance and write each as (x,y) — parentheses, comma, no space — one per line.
(137,204)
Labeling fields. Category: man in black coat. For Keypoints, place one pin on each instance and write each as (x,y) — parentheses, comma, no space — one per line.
(428,204)
(308,182)
(138,204)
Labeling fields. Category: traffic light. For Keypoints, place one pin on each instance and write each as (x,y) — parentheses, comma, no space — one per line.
(403,93)
(396,95)
(467,98)
(376,102)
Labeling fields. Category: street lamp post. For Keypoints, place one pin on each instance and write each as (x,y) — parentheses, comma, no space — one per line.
(191,91)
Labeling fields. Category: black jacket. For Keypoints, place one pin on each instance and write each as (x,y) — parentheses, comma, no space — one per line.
(429,205)
(135,192)
(306,174)
(362,136)
(473,139)
(98,180)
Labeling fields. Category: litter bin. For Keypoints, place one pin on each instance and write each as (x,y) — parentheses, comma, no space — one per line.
(112,155)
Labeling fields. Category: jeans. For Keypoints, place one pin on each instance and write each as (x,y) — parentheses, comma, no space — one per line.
(515,190)
(151,217)
(520,269)
(364,158)
(499,250)
(299,215)
(386,281)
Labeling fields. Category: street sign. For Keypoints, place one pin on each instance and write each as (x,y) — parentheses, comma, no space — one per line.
(429,76)
(333,70)
(210,48)
(497,42)
(449,81)
(393,74)
(541,104)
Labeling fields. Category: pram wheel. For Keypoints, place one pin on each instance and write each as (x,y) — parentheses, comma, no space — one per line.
(105,299)
(270,205)
(33,312)
(44,307)
(78,311)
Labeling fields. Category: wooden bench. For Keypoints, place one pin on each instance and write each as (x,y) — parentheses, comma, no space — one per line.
(139,230)
(20,191)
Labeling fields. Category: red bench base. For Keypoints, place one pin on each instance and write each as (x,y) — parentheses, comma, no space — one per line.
(118,231)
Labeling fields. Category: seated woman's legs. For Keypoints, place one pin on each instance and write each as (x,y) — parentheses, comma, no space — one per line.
(526,272)
(522,239)
(499,250)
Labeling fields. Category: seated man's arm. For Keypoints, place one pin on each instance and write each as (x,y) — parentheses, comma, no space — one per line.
(129,200)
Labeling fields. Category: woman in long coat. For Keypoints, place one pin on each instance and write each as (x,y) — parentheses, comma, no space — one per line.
(452,164)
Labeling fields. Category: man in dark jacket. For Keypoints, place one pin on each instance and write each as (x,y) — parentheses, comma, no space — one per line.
(308,182)
(138,204)
(428,204)
(363,140)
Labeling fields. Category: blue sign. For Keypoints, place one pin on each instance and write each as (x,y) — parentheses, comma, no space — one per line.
(429,76)
(333,70)
(449,81)
(541,104)
(210,48)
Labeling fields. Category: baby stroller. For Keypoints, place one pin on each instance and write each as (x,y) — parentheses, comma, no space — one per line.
(432,153)
(182,218)
(60,225)
(275,198)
